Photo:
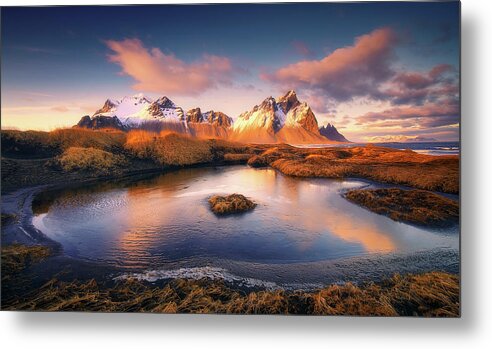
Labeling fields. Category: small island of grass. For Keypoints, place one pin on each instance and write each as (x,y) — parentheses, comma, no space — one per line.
(230,204)
(418,207)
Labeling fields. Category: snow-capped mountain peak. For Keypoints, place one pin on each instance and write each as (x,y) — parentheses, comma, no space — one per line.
(135,110)
(268,116)
(301,115)
(108,106)
(165,102)
(126,106)
(163,109)
(288,101)
(283,119)
(273,114)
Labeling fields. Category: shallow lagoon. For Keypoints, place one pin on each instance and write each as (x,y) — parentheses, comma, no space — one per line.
(302,230)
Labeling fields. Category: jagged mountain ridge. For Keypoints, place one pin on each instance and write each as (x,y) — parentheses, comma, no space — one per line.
(216,118)
(284,119)
(139,111)
(330,131)
(100,122)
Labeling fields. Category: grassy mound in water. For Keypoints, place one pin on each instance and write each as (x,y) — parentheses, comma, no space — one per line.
(234,203)
(412,206)
(405,167)
(431,294)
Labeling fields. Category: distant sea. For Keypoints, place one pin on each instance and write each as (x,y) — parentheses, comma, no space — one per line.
(430,148)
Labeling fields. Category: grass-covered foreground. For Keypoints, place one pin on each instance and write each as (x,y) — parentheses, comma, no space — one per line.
(429,294)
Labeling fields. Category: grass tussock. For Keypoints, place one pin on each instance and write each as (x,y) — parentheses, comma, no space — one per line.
(237,158)
(234,203)
(267,157)
(257,161)
(16,258)
(90,159)
(431,294)
(168,148)
(412,206)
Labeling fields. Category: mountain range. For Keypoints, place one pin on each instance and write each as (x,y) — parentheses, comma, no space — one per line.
(281,120)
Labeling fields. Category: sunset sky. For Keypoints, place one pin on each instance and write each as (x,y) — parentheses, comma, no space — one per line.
(377,71)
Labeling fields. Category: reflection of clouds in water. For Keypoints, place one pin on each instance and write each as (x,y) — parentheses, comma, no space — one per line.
(166,218)
(319,210)
(278,199)
(370,236)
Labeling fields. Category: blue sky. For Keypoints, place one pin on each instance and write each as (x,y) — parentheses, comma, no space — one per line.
(56,65)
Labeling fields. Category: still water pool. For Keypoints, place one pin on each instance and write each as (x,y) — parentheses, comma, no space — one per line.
(164,222)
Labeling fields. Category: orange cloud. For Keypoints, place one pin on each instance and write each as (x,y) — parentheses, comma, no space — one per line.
(347,72)
(156,71)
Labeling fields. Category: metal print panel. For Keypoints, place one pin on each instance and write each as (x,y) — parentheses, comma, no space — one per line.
(232,159)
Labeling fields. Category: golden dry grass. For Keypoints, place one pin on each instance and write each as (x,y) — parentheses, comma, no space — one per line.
(413,206)
(17,257)
(168,148)
(429,294)
(31,157)
(231,147)
(108,140)
(270,155)
(46,144)
(90,159)
(237,158)
(234,203)
(376,163)
(257,161)
(26,144)
(433,294)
